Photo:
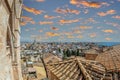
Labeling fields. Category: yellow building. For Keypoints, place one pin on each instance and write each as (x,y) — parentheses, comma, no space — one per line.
(10,12)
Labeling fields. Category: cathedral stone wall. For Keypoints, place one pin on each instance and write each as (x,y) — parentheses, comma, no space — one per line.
(10,68)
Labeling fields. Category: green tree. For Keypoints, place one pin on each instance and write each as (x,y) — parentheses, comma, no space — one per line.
(68,53)
(64,54)
(77,52)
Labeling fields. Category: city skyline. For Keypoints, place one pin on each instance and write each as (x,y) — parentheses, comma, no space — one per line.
(71,21)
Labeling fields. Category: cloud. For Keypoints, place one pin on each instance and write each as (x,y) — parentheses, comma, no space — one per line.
(66,33)
(39,37)
(45,22)
(51,34)
(70,36)
(65,11)
(108,31)
(113,24)
(91,20)
(108,39)
(85,27)
(77,31)
(109,12)
(116,17)
(68,21)
(40,31)
(23,23)
(79,36)
(32,10)
(30,29)
(26,19)
(91,4)
(40,0)
(92,35)
(73,11)
(50,17)
(54,28)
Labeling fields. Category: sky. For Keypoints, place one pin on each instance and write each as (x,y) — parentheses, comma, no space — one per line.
(71,20)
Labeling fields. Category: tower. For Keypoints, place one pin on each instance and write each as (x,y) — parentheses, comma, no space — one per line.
(10,12)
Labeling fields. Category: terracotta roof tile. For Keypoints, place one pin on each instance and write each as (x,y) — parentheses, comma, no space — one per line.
(77,69)
(110,59)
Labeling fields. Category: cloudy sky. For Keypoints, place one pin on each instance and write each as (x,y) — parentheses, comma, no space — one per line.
(71,20)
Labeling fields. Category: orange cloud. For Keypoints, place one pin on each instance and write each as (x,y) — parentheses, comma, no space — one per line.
(40,0)
(23,23)
(74,2)
(51,34)
(26,19)
(80,36)
(33,10)
(85,27)
(54,28)
(88,3)
(45,22)
(70,36)
(91,4)
(51,17)
(108,39)
(116,17)
(92,35)
(32,22)
(73,11)
(108,31)
(65,11)
(109,12)
(68,21)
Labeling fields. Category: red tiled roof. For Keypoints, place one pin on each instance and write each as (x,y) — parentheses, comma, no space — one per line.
(110,59)
(77,69)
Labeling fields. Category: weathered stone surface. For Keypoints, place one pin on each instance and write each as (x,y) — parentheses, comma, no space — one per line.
(5,62)
(7,49)
(10,2)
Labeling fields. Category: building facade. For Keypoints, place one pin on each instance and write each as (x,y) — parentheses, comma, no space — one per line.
(10,12)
